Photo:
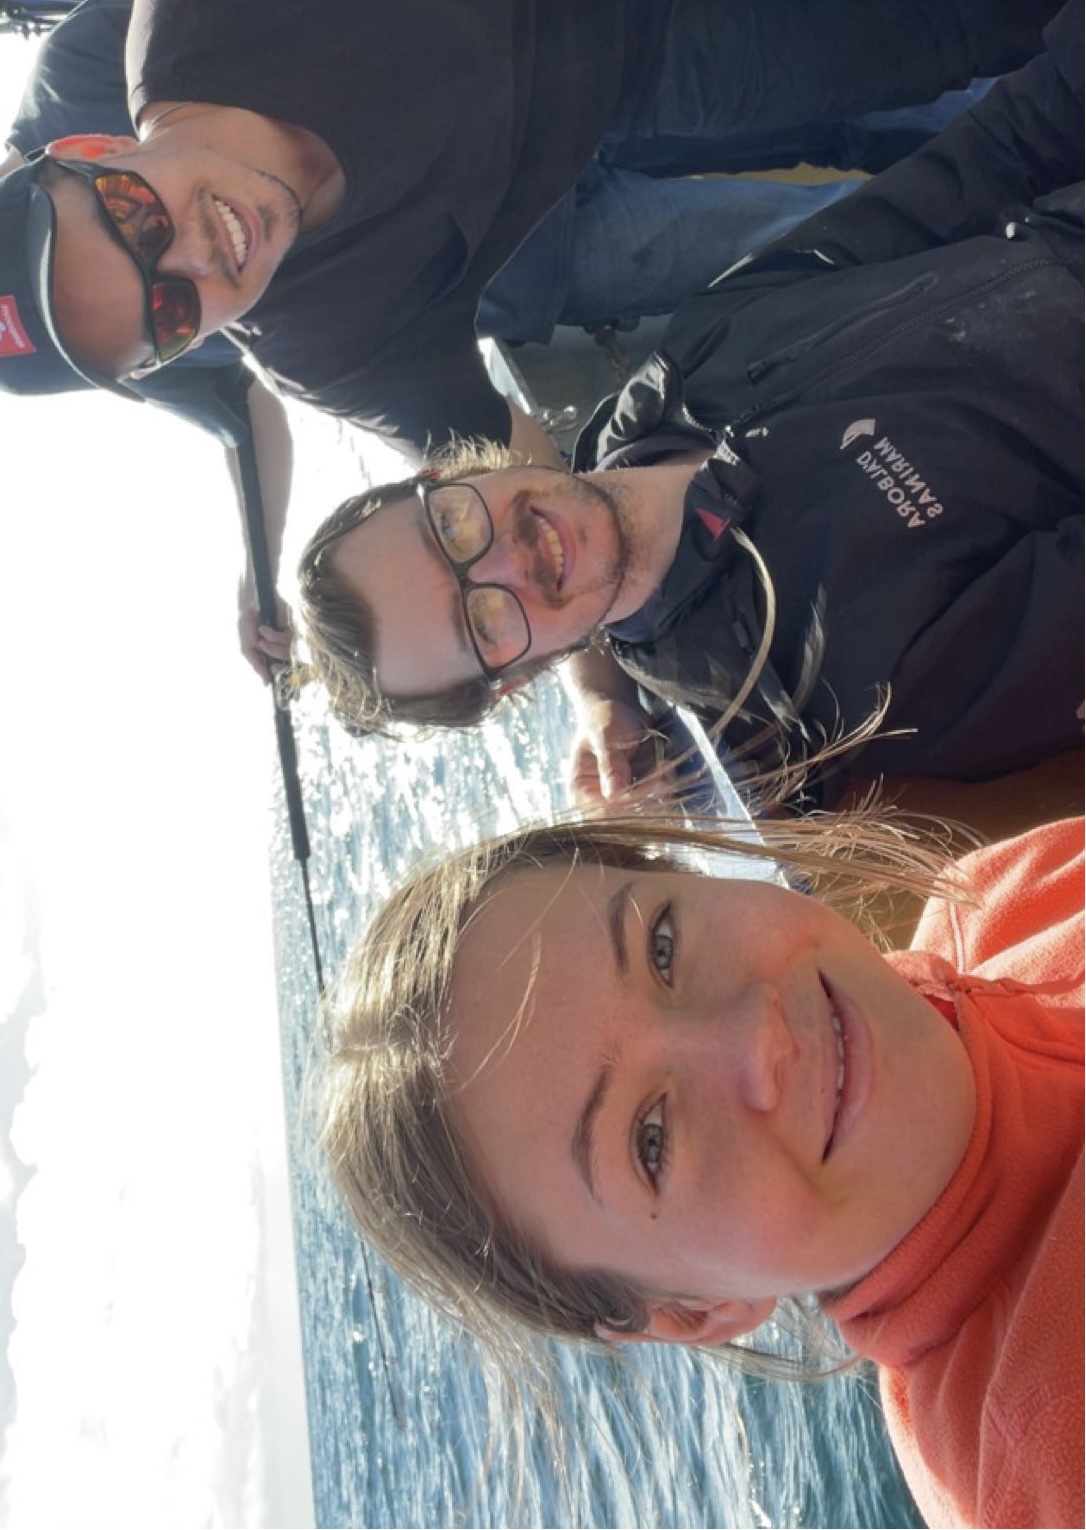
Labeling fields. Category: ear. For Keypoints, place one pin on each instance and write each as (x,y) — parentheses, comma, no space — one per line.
(683,1321)
(91,146)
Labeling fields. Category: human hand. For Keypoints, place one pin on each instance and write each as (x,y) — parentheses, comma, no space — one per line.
(614,748)
(266,648)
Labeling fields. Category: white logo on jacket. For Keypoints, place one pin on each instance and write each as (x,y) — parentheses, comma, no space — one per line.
(894,476)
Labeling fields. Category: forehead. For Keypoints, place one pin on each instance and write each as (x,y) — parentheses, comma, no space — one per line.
(531,958)
(386,550)
(537,953)
(392,564)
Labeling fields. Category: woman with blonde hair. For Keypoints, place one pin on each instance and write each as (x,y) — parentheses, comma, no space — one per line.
(579,1087)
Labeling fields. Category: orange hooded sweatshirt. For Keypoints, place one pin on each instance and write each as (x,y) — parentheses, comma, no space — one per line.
(976,1319)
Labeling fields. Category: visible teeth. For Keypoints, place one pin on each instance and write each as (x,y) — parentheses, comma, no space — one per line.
(554,542)
(236,229)
(839,1082)
(838,1036)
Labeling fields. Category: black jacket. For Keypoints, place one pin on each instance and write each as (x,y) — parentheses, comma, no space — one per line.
(901,442)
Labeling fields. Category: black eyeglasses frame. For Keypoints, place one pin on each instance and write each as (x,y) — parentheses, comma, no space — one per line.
(491,674)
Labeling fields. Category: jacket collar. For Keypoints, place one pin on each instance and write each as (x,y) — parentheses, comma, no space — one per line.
(649,422)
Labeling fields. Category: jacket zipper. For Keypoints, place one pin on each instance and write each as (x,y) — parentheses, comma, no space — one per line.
(782,400)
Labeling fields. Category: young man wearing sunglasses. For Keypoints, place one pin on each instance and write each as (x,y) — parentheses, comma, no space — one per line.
(346,178)
(219,392)
(856,472)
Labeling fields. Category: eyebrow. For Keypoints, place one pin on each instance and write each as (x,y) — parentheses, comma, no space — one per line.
(617,907)
(582,1146)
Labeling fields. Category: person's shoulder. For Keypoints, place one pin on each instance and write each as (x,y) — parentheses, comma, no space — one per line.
(1042,863)
(76,83)
(210,391)
(95,29)
(1028,912)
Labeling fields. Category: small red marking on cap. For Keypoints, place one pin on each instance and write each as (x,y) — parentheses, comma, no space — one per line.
(712,523)
(14,340)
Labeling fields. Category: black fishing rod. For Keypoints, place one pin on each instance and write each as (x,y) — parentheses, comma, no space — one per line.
(253,501)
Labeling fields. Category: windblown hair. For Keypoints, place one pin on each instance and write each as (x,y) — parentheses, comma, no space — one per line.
(389,1119)
(775,751)
(338,626)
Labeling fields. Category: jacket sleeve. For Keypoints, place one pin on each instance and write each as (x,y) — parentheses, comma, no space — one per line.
(988,696)
(1024,139)
(1021,141)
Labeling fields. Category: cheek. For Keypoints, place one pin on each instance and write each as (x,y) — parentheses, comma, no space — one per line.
(757,931)
(749,1190)
(222,304)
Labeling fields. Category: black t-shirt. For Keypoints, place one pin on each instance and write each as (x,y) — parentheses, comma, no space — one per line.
(457,125)
(77,85)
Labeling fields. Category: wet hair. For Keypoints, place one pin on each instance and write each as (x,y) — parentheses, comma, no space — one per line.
(338,626)
(388,1124)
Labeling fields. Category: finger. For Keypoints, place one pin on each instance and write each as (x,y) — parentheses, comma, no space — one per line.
(584,787)
(257,661)
(583,776)
(659,786)
(616,772)
(586,791)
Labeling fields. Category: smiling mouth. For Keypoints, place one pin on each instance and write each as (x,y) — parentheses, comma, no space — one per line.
(839,1080)
(236,230)
(553,543)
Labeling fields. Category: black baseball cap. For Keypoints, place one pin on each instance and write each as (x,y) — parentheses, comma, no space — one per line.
(33,356)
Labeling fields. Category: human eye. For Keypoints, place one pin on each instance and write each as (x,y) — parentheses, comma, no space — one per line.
(662,938)
(136,210)
(460,523)
(485,607)
(444,518)
(651,1143)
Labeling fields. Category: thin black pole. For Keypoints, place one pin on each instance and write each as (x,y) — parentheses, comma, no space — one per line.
(253,500)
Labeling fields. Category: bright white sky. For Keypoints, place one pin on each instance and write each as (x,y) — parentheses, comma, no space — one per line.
(154,1354)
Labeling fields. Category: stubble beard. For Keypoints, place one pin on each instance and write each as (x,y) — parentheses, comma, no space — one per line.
(598,504)
(285,209)
(624,553)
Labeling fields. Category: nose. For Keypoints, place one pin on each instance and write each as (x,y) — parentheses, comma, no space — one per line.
(505,562)
(741,1048)
(191,253)
(765,1046)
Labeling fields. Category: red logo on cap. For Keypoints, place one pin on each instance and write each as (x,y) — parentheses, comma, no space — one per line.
(14,340)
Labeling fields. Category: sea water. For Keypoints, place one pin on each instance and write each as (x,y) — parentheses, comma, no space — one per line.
(398,1418)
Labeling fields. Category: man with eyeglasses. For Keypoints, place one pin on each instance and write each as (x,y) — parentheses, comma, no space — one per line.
(849,477)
